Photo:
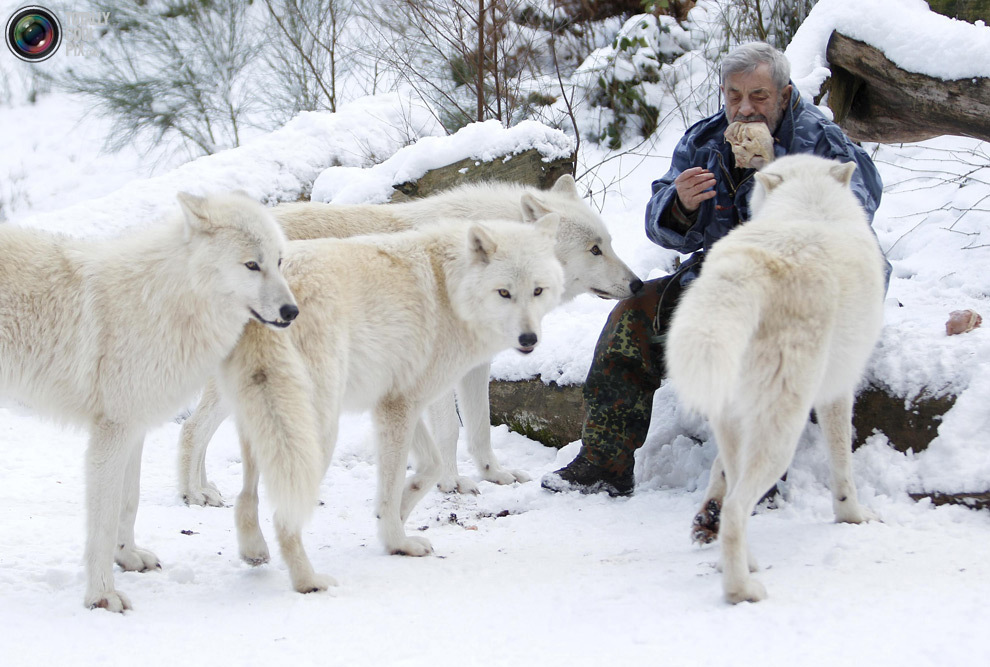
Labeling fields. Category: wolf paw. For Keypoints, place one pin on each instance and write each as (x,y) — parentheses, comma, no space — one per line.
(137,560)
(458,484)
(314,584)
(109,600)
(252,547)
(412,546)
(499,475)
(704,528)
(206,496)
(748,591)
(856,514)
(255,558)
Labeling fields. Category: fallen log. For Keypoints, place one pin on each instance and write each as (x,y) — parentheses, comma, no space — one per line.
(976,501)
(528,168)
(873,99)
(553,415)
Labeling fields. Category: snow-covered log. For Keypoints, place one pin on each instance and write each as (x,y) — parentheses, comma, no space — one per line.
(875,100)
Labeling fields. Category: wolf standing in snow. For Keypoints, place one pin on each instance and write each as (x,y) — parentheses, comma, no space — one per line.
(782,318)
(116,335)
(388,323)
(583,247)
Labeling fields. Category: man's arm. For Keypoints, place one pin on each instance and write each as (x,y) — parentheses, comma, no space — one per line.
(865,183)
(673,210)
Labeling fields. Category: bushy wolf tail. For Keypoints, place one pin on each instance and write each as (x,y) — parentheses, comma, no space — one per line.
(711,330)
(275,416)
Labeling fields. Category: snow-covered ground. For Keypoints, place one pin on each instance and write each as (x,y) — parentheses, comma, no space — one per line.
(522,576)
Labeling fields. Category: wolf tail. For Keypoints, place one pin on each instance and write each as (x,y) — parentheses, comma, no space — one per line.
(278,427)
(711,330)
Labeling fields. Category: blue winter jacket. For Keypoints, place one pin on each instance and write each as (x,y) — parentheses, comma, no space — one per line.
(803,129)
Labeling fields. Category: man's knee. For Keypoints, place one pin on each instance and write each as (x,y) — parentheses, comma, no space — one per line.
(645,300)
(630,327)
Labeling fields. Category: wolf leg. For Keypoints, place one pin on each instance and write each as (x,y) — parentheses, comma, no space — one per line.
(765,449)
(304,578)
(428,464)
(250,541)
(107,459)
(472,396)
(395,421)
(445,427)
(836,422)
(704,527)
(129,557)
(194,438)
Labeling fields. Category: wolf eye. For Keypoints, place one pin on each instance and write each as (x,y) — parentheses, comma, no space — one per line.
(504,293)
(595,250)
(538,291)
(280,262)
(252,266)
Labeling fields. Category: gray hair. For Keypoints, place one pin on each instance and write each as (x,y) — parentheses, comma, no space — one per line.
(747,57)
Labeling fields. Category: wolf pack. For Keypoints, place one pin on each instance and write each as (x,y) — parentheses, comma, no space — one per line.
(285,317)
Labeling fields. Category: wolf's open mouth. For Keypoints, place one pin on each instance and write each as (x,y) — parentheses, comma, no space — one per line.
(526,349)
(601,294)
(281,324)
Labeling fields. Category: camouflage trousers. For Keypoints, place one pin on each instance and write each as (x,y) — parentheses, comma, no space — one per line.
(625,372)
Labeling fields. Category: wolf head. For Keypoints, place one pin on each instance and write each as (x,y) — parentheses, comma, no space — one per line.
(241,246)
(805,177)
(583,246)
(509,278)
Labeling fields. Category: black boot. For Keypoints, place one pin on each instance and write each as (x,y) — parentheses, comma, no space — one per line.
(584,476)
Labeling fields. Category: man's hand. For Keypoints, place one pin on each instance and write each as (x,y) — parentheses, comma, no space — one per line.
(694,186)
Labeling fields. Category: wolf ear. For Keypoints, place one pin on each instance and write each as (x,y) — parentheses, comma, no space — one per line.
(548,224)
(769,181)
(532,208)
(843,173)
(195,212)
(481,245)
(565,185)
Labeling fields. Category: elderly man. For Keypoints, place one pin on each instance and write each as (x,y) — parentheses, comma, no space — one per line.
(702,197)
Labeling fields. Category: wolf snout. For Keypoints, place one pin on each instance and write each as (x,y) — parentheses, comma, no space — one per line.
(635,286)
(527,342)
(288,312)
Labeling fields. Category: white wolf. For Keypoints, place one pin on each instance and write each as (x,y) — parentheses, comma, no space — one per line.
(116,335)
(783,318)
(583,247)
(387,324)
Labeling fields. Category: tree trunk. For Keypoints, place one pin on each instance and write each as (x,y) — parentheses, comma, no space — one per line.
(481,60)
(875,100)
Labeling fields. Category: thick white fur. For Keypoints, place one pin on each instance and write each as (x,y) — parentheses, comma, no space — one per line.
(782,319)
(116,335)
(583,247)
(387,323)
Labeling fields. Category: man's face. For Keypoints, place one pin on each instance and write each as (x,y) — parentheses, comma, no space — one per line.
(752,97)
